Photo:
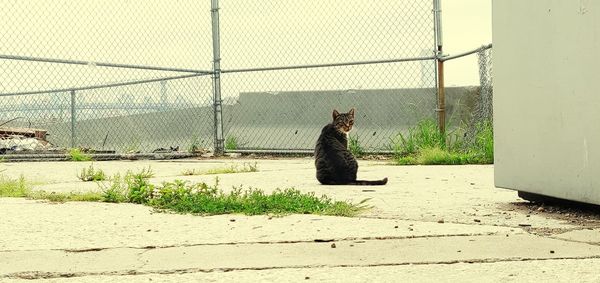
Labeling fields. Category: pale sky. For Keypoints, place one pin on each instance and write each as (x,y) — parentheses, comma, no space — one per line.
(467,24)
(253,34)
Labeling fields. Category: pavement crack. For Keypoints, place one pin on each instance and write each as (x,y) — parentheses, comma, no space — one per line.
(31,275)
(315,240)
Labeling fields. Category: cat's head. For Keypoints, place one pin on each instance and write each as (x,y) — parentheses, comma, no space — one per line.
(343,122)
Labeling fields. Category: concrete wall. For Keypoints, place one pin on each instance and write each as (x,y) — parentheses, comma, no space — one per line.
(286,120)
(546,118)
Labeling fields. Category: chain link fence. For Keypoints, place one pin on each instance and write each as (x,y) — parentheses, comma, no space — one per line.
(112,76)
(483,111)
(137,76)
(288,64)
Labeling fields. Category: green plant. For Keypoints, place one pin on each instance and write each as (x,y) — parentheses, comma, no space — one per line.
(355,148)
(424,135)
(182,197)
(424,144)
(13,187)
(482,149)
(91,174)
(199,198)
(132,187)
(231,143)
(116,191)
(246,167)
(75,154)
(194,144)
(438,156)
(64,197)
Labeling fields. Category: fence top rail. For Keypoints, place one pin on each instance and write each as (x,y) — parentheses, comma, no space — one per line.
(101,64)
(328,65)
(484,47)
(103,85)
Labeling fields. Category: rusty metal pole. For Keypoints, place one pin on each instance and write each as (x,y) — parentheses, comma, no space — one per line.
(441,103)
(441,96)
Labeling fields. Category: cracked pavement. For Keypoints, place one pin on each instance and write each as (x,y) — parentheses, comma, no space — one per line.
(430,223)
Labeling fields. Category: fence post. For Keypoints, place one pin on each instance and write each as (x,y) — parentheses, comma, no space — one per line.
(217,101)
(441,95)
(73,119)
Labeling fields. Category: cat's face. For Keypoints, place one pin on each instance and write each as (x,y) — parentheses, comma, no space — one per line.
(343,122)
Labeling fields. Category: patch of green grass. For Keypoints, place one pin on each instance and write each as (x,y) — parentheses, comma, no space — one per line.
(182,197)
(438,156)
(355,148)
(200,198)
(91,174)
(245,168)
(194,144)
(195,198)
(75,154)
(424,144)
(115,192)
(482,149)
(13,187)
(65,197)
(20,188)
(231,143)
(424,135)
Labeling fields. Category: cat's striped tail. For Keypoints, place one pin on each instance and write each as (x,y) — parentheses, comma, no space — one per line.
(370,183)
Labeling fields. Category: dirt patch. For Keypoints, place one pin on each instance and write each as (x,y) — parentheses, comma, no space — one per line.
(582,215)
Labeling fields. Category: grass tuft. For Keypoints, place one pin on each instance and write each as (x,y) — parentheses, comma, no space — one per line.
(75,154)
(424,144)
(355,148)
(195,198)
(231,143)
(203,199)
(235,168)
(91,174)
(13,187)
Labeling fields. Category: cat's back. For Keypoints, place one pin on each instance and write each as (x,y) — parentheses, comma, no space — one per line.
(326,140)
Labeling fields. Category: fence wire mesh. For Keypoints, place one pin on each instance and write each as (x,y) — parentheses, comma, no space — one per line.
(309,56)
(135,76)
(483,109)
(141,90)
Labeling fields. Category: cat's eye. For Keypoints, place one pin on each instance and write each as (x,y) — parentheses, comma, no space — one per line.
(351,122)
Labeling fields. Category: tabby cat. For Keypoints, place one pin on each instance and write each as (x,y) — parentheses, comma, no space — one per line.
(335,163)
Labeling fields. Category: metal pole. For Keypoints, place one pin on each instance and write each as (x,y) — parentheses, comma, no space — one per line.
(441,101)
(73,119)
(217,101)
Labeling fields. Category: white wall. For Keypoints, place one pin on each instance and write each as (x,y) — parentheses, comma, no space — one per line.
(546,98)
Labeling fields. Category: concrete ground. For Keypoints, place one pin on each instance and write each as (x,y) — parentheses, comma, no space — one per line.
(429,224)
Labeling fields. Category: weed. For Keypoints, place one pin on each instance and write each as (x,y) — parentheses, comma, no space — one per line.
(64,197)
(355,147)
(246,167)
(182,197)
(91,174)
(20,188)
(13,187)
(75,154)
(438,156)
(200,198)
(482,149)
(425,135)
(116,191)
(424,144)
(231,143)
(194,145)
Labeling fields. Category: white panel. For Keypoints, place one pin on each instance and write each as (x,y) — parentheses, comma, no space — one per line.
(546,97)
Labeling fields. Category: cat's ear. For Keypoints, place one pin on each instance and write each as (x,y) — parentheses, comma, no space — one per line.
(335,114)
(351,112)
